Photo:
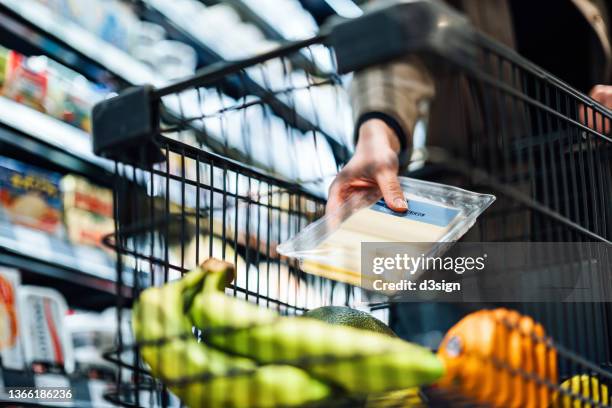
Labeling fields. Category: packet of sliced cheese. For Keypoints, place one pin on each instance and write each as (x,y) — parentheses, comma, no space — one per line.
(437,214)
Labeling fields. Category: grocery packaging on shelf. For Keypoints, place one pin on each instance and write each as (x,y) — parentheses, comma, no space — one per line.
(49,87)
(11,350)
(84,227)
(71,96)
(286,16)
(220,27)
(30,196)
(25,81)
(33,214)
(92,334)
(46,342)
(112,21)
(437,214)
(174,59)
(88,210)
(116,23)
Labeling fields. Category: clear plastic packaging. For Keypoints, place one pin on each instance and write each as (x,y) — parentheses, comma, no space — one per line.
(437,214)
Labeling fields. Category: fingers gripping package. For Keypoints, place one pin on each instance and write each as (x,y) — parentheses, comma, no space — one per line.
(437,214)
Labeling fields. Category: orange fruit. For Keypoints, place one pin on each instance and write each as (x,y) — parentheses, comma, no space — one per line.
(508,357)
(490,356)
(546,365)
(466,352)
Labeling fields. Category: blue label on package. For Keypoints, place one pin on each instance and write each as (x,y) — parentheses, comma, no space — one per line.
(420,211)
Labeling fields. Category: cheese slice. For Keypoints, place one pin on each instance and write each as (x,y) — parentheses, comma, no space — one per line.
(338,256)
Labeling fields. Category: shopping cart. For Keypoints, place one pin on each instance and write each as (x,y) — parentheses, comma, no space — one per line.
(234,160)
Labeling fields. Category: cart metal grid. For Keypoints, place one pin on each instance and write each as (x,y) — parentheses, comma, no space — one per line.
(187,189)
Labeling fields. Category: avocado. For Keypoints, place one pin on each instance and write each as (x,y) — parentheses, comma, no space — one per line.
(345,316)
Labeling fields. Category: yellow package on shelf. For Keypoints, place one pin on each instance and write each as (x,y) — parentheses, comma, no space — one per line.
(437,213)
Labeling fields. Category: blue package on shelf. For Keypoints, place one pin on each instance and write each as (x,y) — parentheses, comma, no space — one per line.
(30,196)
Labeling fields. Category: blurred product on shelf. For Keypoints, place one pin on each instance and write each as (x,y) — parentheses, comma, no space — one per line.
(65,217)
(174,59)
(41,342)
(235,38)
(112,21)
(49,87)
(147,37)
(116,23)
(70,96)
(25,82)
(10,335)
(290,21)
(286,16)
(38,198)
(30,196)
(92,334)
(88,211)
(46,342)
(149,34)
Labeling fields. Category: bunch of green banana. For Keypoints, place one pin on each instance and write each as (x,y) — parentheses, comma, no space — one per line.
(202,376)
(357,361)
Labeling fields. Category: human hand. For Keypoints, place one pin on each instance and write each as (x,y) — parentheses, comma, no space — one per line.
(372,169)
(603,95)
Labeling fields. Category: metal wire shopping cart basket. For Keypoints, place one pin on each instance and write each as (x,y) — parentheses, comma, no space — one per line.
(232,161)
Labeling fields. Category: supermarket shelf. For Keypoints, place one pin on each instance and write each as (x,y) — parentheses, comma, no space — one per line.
(29,26)
(79,49)
(80,289)
(84,274)
(37,133)
(160,13)
(64,145)
(68,43)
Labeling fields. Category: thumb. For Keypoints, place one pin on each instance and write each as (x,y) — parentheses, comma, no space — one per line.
(389,185)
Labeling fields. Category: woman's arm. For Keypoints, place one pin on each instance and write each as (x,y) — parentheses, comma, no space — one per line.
(386,104)
(392,92)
